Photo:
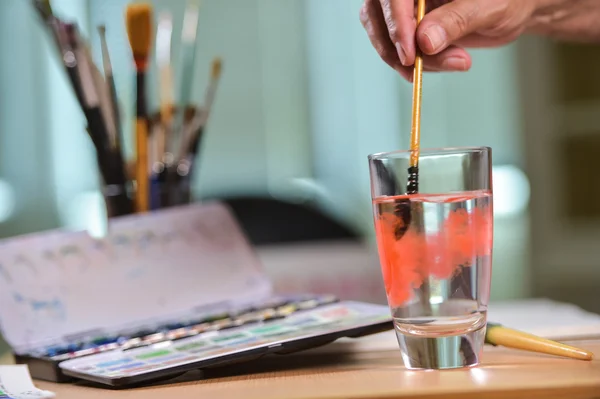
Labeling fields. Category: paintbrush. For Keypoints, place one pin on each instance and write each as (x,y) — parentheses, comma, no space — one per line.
(402,208)
(190,140)
(187,63)
(95,108)
(139,30)
(498,335)
(189,36)
(179,173)
(194,133)
(116,140)
(67,56)
(155,162)
(164,124)
(163,62)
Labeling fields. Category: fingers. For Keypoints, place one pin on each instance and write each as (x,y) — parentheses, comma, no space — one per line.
(455,20)
(399,16)
(372,19)
(380,19)
(453,59)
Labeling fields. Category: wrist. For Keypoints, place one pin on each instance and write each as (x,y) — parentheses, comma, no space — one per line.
(547,12)
(566,19)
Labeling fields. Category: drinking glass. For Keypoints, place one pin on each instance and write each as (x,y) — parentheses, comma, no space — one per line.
(435,250)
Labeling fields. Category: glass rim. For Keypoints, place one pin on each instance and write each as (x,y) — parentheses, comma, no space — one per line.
(425,152)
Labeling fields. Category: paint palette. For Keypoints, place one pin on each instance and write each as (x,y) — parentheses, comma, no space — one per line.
(301,329)
(163,292)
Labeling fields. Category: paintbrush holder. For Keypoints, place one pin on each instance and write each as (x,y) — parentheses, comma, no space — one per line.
(174,144)
(172,155)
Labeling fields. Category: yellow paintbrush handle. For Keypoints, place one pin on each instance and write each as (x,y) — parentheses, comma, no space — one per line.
(415,137)
(498,335)
(141,171)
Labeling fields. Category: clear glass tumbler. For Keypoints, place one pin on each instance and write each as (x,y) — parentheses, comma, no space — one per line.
(435,250)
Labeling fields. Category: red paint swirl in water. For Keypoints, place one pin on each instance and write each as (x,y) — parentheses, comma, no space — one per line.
(463,236)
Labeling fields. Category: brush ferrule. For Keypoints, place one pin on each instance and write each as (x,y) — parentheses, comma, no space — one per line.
(413,180)
(141,62)
(141,109)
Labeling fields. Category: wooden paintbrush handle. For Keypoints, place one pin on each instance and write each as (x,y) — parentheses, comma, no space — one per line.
(415,137)
(498,335)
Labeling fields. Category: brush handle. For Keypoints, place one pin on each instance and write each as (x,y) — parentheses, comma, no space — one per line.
(141,168)
(141,133)
(116,111)
(415,136)
(498,335)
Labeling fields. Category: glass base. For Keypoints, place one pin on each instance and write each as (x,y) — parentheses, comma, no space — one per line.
(441,352)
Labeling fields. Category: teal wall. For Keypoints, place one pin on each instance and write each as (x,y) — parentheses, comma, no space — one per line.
(25,163)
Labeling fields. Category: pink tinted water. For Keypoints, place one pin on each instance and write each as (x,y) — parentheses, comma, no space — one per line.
(437,270)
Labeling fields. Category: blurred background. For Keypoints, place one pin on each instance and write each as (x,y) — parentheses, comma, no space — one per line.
(302,101)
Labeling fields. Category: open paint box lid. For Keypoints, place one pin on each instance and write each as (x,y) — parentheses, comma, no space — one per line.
(59,286)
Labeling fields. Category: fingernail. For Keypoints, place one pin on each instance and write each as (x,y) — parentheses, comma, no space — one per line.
(455,64)
(436,35)
(401,53)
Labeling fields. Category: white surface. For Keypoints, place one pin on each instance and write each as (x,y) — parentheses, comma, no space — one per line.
(16,382)
(546,318)
(542,317)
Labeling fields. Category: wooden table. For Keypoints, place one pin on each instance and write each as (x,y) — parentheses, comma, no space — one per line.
(371,368)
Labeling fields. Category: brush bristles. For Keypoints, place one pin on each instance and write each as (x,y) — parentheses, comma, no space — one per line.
(102,29)
(217,66)
(139,30)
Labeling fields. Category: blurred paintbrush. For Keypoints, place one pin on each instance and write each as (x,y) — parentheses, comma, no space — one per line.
(187,63)
(162,133)
(192,137)
(139,30)
(189,147)
(116,140)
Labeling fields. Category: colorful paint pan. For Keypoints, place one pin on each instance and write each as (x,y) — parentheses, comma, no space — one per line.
(274,320)
(154,338)
(154,354)
(309,304)
(180,333)
(286,310)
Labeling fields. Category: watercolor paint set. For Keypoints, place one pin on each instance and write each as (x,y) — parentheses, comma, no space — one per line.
(161,294)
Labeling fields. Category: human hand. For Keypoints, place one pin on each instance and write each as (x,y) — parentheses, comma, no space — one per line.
(446,30)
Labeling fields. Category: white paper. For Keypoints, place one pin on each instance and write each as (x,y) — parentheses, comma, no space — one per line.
(546,318)
(541,317)
(15,381)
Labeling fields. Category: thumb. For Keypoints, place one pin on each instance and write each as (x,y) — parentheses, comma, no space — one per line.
(452,21)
